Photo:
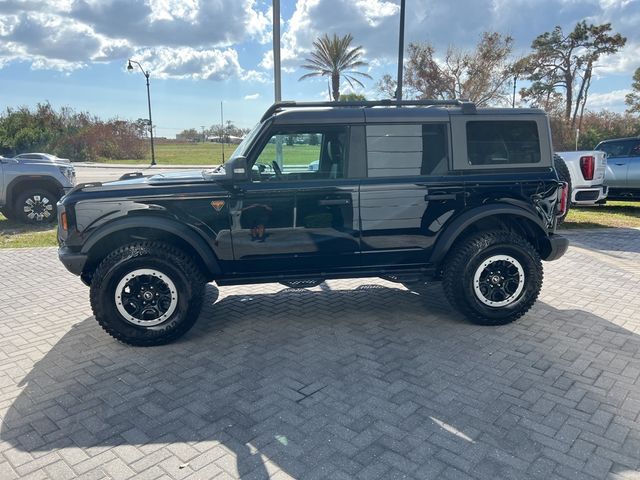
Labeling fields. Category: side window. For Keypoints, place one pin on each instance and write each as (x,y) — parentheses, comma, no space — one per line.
(316,153)
(615,149)
(502,143)
(635,149)
(407,150)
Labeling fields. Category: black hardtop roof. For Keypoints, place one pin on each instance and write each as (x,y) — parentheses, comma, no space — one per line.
(388,110)
(619,139)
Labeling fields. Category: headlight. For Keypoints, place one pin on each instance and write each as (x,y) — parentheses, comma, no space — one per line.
(69,172)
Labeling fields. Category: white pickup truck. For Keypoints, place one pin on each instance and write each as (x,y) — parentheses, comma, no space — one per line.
(586,169)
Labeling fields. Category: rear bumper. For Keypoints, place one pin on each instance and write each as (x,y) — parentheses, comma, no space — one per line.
(589,195)
(556,247)
(73,261)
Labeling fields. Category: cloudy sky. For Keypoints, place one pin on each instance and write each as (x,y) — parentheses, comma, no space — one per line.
(199,52)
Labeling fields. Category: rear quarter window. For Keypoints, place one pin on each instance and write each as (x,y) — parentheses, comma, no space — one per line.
(502,143)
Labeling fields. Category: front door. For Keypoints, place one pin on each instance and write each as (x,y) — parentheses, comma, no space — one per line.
(300,212)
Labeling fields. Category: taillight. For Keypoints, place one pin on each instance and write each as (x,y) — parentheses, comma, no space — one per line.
(588,166)
(564,198)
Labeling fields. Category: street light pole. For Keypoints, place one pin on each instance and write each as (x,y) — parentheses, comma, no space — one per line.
(146,75)
(400,52)
(513,100)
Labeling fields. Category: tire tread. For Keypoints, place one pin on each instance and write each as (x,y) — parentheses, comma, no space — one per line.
(459,257)
(149,248)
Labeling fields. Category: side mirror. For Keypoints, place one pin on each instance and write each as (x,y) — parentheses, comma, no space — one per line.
(237,170)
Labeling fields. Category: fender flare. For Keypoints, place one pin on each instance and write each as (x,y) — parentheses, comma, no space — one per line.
(27,178)
(453,231)
(190,236)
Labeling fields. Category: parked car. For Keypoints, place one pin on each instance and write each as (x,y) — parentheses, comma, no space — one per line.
(32,184)
(43,157)
(587,170)
(623,167)
(403,190)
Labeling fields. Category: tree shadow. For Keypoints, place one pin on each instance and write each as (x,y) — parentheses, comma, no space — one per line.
(346,381)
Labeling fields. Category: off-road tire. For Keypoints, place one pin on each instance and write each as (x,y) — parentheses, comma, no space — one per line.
(564,176)
(169,261)
(467,256)
(18,210)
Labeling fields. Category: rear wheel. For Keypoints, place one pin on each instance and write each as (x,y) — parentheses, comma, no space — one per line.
(36,206)
(147,293)
(564,176)
(493,277)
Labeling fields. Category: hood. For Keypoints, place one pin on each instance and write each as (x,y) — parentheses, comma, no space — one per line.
(58,162)
(184,176)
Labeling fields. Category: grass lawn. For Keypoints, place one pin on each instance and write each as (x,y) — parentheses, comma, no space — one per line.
(211,154)
(17,235)
(613,214)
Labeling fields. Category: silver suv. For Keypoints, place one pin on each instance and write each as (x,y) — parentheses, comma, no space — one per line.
(31,184)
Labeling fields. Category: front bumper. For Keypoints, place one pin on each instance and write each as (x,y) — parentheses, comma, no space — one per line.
(73,261)
(556,247)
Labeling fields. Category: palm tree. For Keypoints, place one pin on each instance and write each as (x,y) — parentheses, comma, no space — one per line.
(333,57)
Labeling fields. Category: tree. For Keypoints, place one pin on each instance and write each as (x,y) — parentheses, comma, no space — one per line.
(189,135)
(481,75)
(335,58)
(633,99)
(352,97)
(566,61)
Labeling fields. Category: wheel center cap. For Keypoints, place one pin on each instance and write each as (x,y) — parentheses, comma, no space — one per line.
(495,279)
(147,295)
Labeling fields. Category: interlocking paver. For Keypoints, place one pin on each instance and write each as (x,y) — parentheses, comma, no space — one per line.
(350,379)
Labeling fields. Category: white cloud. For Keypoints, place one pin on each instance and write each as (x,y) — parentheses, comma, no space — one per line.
(369,21)
(192,38)
(185,62)
(610,100)
(253,96)
(625,61)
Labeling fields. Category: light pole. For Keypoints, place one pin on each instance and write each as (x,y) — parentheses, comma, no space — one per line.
(146,74)
(513,100)
(400,52)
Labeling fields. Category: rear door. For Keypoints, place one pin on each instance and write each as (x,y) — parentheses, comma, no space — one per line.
(408,194)
(300,212)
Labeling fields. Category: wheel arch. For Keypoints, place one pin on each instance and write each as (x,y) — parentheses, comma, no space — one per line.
(27,182)
(489,217)
(119,232)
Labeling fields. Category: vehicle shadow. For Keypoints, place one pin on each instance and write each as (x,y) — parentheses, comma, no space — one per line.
(326,381)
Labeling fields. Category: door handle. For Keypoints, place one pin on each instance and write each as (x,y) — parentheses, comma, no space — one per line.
(620,164)
(333,202)
(440,196)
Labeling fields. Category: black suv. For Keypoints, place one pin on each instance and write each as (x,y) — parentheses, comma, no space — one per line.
(407,191)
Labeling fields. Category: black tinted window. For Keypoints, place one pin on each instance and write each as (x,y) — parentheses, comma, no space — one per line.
(407,150)
(616,149)
(502,142)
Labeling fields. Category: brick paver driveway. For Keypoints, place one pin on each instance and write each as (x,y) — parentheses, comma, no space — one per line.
(352,379)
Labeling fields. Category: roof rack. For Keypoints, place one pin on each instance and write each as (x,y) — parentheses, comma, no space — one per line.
(466,105)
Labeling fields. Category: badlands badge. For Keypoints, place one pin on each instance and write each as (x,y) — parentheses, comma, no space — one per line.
(217,204)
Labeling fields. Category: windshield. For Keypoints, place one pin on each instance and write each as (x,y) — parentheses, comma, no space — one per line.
(241,149)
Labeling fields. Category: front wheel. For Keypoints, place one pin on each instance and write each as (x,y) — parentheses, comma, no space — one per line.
(147,293)
(36,206)
(493,277)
